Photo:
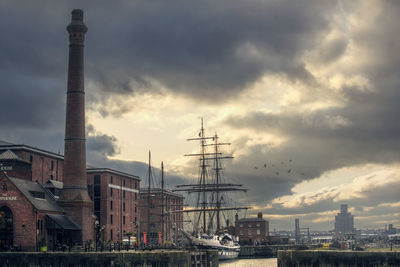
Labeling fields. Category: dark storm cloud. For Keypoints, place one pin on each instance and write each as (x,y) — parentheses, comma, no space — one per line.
(204,49)
(103,144)
(207,50)
(364,130)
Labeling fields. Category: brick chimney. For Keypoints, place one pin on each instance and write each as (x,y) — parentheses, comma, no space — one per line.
(75,198)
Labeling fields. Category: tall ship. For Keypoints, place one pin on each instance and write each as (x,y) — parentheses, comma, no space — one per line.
(211,203)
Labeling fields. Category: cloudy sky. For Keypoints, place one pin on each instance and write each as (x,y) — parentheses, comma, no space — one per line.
(307,92)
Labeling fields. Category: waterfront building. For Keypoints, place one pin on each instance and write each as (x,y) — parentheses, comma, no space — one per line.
(161,215)
(252,230)
(116,198)
(117,213)
(344,222)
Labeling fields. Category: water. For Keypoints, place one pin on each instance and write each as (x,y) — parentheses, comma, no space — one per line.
(270,262)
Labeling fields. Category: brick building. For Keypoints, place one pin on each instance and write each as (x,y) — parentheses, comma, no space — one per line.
(251,230)
(30,216)
(45,165)
(156,225)
(116,199)
(42,170)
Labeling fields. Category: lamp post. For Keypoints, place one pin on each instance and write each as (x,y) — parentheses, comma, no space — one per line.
(97,230)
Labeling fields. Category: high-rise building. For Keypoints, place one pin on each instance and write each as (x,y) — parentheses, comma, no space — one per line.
(297,230)
(344,222)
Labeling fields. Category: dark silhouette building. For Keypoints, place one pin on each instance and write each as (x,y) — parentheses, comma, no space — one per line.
(344,222)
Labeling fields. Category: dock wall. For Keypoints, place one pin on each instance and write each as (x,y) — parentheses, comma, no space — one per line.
(203,258)
(310,258)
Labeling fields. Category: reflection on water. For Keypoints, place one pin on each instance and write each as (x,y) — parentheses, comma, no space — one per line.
(271,262)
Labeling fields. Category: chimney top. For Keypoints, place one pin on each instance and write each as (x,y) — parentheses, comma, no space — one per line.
(77,25)
(77,14)
(259,215)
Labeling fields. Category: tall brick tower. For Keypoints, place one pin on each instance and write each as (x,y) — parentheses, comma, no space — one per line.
(75,198)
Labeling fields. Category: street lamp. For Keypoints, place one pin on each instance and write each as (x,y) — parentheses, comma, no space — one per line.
(97,231)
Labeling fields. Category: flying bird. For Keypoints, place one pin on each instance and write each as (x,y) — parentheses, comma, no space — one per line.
(265,165)
(255,167)
(289,170)
(277,173)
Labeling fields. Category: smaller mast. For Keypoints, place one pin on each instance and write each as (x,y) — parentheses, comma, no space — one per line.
(148,197)
(162,202)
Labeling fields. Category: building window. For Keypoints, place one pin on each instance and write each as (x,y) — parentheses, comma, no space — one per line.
(111,191)
(135,219)
(51,177)
(249,225)
(258,232)
(30,158)
(111,235)
(135,197)
(123,182)
(241,225)
(135,208)
(111,206)
(135,185)
(96,179)
(111,180)
(123,194)
(258,225)
(52,165)
(123,220)
(111,219)
(123,206)
(96,195)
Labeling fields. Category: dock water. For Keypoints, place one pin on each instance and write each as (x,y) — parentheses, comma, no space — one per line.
(159,258)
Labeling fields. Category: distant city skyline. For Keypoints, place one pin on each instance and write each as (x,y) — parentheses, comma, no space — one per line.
(306,92)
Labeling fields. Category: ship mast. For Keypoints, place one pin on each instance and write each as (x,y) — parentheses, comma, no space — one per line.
(148,196)
(204,186)
(162,202)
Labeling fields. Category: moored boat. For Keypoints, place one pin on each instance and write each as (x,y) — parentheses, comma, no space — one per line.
(211,204)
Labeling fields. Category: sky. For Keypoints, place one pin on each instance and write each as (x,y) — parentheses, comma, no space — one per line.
(307,93)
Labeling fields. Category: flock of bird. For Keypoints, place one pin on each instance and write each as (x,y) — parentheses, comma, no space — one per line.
(287,164)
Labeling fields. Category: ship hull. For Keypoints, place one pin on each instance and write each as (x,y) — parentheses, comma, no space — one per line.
(225,252)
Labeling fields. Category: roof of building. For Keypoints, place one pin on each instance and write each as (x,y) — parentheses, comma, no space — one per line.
(96,170)
(158,191)
(63,222)
(252,220)
(54,184)
(7,145)
(37,195)
(4,143)
(89,168)
(8,154)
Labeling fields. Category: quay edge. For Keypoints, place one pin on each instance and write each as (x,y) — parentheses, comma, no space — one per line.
(306,258)
(167,258)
